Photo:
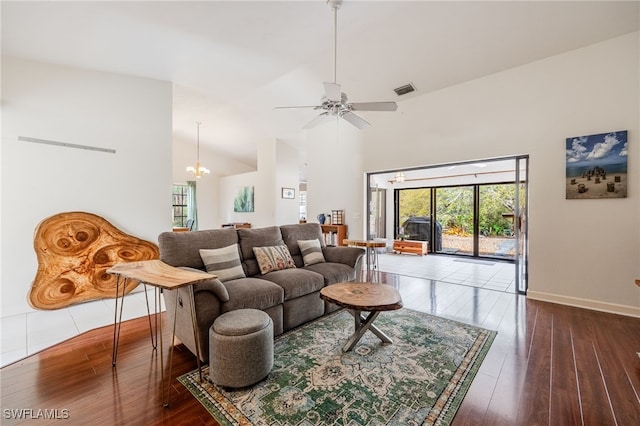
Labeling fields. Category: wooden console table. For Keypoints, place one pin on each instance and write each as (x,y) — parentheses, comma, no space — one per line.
(161,276)
(411,246)
(236,225)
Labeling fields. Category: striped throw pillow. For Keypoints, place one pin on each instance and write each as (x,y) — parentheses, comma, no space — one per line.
(273,258)
(223,262)
(311,252)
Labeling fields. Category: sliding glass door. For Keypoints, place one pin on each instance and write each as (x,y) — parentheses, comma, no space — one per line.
(454,211)
(520,224)
(473,209)
(496,207)
(472,220)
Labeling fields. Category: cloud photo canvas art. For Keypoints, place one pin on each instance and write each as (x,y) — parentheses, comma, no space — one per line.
(597,166)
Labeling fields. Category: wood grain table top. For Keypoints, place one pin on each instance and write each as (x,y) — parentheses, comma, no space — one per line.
(365,243)
(363,296)
(157,273)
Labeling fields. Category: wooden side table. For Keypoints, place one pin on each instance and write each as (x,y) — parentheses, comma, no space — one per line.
(162,277)
(371,256)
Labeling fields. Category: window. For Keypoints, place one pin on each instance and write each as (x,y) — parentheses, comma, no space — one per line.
(303,205)
(179,205)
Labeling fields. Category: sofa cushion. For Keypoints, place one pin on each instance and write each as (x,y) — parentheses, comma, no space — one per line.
(301,231)
(183,248)
(248,238)
(223,262)
(311,251)
(296,282)
(253,293)
(333,272)
(273,258)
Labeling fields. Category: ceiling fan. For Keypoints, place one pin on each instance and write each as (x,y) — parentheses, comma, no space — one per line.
(335,103)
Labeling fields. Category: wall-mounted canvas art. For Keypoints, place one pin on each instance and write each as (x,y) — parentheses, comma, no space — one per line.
(597,166)
(244,200)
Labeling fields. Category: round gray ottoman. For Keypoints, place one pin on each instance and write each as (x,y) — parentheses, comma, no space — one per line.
(240,348)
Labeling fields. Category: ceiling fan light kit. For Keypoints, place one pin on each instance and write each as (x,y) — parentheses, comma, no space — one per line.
(335,103)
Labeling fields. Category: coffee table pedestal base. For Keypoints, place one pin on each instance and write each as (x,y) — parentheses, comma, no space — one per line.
(362,324)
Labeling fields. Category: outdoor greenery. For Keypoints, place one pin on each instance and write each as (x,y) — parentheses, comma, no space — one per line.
(414,202)
(455,208)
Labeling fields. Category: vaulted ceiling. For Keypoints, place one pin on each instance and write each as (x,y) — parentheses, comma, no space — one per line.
(232,62)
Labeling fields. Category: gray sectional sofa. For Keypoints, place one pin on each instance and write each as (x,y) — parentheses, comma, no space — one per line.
(290,296)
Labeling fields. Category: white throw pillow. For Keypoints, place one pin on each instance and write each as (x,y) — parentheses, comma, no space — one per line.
(311,252)
(223,262)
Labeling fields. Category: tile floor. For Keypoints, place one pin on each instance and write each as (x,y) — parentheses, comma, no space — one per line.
(489,274)
(26,334)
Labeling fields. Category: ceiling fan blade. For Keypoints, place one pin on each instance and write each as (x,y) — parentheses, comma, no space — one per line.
(322,118)
(301,106)
(374,106)
(333,91)
(357,121)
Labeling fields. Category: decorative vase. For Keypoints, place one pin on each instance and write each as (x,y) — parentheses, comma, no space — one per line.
(321,218)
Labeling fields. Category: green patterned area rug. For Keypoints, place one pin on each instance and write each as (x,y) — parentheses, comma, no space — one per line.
(419,379)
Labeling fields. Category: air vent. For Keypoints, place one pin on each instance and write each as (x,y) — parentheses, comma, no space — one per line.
(403,90)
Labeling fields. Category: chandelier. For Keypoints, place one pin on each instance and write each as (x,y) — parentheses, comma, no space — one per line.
(198,171)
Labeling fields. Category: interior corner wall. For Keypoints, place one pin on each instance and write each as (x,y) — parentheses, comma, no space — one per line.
(262,181)
(131,188)
(207,187)
(287,176)
(582,252)
(335,173)
(277,168)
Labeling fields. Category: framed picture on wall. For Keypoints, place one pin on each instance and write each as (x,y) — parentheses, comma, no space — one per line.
(288,193)
(243,203)
(596,166)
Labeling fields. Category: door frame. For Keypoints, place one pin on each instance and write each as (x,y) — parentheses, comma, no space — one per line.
(521,171)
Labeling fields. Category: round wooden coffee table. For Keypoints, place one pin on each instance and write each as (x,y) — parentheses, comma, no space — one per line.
(358,297)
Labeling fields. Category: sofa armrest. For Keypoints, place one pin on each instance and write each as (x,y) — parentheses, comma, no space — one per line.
(208,296)
(350,256)
(214,286)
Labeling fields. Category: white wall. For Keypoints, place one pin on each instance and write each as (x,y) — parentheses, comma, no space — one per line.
(287,176)
(277,168)
(335,173)
(207,187)
(131,188)
(582,252)
(229,187)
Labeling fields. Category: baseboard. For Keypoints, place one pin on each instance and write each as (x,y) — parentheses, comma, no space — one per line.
(612,308)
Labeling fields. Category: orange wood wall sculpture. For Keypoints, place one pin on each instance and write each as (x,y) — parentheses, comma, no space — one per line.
(74,251)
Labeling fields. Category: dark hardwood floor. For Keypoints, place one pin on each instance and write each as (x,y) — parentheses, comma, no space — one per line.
(549,365)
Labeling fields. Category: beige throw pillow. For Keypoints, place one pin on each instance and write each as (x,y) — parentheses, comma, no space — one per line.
(223,262)
(311,252)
